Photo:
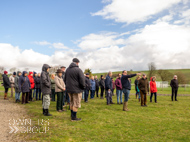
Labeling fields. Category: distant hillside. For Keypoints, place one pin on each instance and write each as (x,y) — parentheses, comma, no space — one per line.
(186,72)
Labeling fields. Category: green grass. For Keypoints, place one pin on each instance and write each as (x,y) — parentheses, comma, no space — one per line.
(164,121)
(186,72)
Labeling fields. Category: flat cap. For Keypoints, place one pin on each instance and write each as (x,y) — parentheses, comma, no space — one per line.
(76,60)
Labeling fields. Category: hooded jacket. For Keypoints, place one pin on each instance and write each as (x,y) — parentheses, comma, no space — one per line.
(17,90)
(118,84)
(32,83)
(143,85)
(74,79)
(45,80)
(6,81)
(153,88)
(24,83)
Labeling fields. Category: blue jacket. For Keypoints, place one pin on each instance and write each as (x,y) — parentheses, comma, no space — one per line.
(24,83)
(125,81)
(108,83)
(93,84)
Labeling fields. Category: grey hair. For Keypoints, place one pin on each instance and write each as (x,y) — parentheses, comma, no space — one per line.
(109,72)
(175,76)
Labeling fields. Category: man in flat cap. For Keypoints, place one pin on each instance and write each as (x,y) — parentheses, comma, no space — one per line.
(75,84)
(143,86)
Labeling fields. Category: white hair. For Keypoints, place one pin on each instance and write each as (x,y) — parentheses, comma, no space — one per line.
(175,76)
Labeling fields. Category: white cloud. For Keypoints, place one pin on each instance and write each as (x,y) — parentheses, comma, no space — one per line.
(130,11)
(96,41)
(54,45)
(59,46)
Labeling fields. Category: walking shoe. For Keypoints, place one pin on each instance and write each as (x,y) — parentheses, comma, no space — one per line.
(112,103)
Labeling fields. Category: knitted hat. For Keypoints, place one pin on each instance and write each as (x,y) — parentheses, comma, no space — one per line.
(14,73)
(5,72)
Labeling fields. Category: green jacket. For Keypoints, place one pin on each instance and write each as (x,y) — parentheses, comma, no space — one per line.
(52,84)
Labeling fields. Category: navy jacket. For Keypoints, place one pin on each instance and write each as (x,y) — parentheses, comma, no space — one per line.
(108,83)
(126,84)
(24,83)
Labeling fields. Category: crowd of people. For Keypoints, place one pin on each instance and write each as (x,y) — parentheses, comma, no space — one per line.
(72,85)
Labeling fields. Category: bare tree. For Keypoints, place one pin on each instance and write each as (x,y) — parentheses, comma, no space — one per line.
(14,69)
(152,69)
(2,69)
(54,69)
(181,78)
(165,75)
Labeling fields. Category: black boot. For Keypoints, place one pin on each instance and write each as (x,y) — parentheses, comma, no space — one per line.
(47,113)
(74,118)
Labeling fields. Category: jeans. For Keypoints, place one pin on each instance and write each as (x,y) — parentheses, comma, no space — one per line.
(138,93)
(119,95)
(126,94)
(34,93)
(64,94)
(92,93)
(17,96)
(155,97)
(67,97)
(83,95)
(86,92)
(38,94)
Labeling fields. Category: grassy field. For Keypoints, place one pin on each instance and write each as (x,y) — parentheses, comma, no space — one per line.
(165,121)
(186,72)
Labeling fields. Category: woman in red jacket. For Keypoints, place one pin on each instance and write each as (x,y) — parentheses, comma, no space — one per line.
(153,89)
(32,84)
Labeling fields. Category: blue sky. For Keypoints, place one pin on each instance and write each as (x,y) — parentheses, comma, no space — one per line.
(87,27)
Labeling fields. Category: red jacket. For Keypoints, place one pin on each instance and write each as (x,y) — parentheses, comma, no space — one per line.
(153,88)
(113,84)
(32,84)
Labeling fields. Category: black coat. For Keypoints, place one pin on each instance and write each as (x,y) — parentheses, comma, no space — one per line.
(74,79)
(87,83)
(97,83)
(6,81)
(37,82)
(102,83)
(24,83)
(174,83)
(45,80)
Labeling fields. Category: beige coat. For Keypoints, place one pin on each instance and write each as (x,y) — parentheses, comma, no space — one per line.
(12,81)
(59,84)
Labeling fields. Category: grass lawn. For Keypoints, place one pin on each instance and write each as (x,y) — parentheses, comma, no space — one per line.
(164,121)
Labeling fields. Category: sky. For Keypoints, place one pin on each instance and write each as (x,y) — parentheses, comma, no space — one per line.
(105,35)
